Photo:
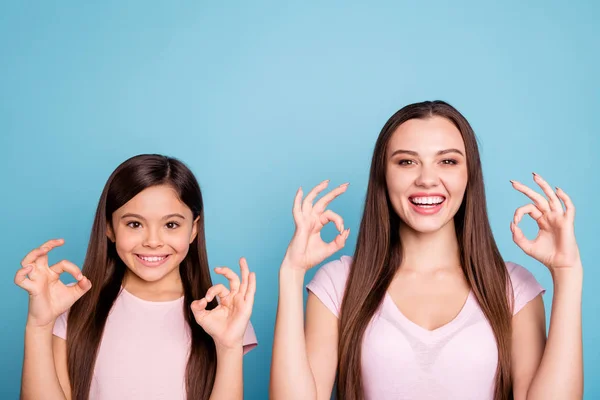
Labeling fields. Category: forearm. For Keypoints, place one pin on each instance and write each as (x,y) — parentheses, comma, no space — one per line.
(39,380)
(560,374)
(229,377)
(291,375)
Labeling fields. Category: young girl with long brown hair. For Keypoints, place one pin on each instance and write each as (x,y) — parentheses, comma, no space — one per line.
(142,320)
(427,308)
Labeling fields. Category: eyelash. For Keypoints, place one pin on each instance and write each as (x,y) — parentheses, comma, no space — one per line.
(447,161)
(450,161)
(129,224)
(136,224)
(172,223)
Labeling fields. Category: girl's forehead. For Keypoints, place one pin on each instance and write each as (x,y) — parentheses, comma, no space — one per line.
(155,201)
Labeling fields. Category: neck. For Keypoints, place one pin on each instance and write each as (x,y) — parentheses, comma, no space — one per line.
(431,251)
(166,289)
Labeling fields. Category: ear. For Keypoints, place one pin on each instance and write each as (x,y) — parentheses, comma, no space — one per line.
(194,229)
(110,233)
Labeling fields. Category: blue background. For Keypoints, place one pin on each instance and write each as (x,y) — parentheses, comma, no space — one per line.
(261,97)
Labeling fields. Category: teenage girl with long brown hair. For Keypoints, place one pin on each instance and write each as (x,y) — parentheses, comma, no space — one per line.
(142,321)
(427,308)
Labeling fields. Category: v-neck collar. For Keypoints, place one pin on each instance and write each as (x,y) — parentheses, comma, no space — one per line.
(418,330)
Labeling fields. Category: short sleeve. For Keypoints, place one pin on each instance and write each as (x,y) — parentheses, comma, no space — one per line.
(250,341)
(525,286)
(60,326)
(329,283)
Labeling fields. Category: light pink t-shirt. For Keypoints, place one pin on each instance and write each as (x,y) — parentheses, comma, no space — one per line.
(401,360)
(144,350)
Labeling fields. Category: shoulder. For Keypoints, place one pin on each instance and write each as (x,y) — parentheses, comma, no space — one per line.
(525,286)
(329,283)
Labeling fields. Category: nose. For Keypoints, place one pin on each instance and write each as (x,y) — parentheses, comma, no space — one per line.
(427,178)
(152,239)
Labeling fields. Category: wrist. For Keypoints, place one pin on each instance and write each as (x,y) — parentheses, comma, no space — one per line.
(225,350)
(36,329)
(567,276)
(291,272)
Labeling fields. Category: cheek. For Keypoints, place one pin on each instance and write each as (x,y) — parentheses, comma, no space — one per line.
(127,241)
(398,183)
(180,241)
(456,183)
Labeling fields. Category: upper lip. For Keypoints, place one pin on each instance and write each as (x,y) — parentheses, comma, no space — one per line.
(152,255)
(423,194)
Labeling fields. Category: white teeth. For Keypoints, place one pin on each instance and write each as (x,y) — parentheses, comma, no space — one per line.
(427,200)
(152,259)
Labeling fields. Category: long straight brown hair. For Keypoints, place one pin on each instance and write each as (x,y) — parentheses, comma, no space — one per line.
(104,268)
(378,256)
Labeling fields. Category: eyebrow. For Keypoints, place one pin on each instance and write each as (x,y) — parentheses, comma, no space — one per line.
(130,215)
(414,153)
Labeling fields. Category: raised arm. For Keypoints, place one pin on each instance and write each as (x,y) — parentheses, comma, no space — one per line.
(304,362)
(551,369)
(44,366)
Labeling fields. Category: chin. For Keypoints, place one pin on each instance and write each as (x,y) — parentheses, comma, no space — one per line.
(427,228)
(424,226)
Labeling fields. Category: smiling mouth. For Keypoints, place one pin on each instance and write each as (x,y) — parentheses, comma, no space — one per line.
(427,202)
(152,261)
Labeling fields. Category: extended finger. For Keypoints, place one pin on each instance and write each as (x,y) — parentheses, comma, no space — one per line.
(245,273)
(328,216)
(67,266)
(22,280)
(569,206)
(538,199)
(324,201)
(216,290)
(41,251)
(251,290)
(234,280)
(297,209)
(550,194)
(530,209)
(312,195)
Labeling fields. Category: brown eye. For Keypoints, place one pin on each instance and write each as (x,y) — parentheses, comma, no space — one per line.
(134,224)
(405,162)
(449,162)
(172,225)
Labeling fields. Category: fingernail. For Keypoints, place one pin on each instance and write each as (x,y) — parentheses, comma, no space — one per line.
(79,277)
(557,188)
(511,181)
(534,174)
(345,184)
